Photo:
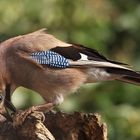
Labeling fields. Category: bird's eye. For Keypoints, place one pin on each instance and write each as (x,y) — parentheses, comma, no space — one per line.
(1,98)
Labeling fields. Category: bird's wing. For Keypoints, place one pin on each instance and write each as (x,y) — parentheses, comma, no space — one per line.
(50,58)
(41,48)
(34,49)
(81,56)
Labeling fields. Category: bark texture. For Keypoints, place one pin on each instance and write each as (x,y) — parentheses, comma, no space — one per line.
(52,126)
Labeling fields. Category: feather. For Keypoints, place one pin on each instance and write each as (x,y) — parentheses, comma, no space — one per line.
(128,75)
(122,71)
(131,80)
(92,63)
(50,58)
(68,52)
(75,53)
(29,61)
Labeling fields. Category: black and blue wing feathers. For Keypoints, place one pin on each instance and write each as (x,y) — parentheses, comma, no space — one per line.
(50,58)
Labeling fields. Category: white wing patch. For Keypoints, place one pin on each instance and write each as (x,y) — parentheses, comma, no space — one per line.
(83,57)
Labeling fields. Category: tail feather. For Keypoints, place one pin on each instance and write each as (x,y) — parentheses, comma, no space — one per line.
(128,76)
(131,80)
(123,72)
(116,71)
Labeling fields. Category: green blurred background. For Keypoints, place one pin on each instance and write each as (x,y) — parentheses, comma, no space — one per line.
(110,26)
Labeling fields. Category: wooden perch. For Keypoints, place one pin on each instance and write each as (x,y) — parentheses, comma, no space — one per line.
(56,126)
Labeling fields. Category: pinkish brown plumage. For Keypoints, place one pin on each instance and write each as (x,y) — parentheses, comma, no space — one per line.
(85,65)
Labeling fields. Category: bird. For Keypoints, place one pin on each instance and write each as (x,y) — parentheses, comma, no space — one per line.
(53,68)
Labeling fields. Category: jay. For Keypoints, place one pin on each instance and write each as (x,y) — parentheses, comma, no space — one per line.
(53,68)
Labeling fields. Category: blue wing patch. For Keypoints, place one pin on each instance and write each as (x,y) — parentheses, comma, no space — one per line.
(50,58)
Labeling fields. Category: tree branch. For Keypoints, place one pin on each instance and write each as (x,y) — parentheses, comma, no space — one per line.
(53,125)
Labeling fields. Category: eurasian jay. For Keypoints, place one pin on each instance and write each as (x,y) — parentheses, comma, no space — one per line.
(53,68)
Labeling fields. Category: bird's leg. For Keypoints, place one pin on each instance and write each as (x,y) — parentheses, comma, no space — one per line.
(7,105)
(20,117)
(7,114)
(57,100)
(7,100)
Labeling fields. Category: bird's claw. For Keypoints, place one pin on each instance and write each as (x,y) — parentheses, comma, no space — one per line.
(35,111)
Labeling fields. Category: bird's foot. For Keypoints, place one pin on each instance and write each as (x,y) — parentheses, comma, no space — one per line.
(20,116)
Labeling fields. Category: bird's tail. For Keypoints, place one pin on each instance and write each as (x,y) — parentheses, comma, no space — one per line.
(114,71)
(126,75)
(132,80)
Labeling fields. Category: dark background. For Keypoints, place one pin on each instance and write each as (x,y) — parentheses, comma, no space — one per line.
(110,26)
